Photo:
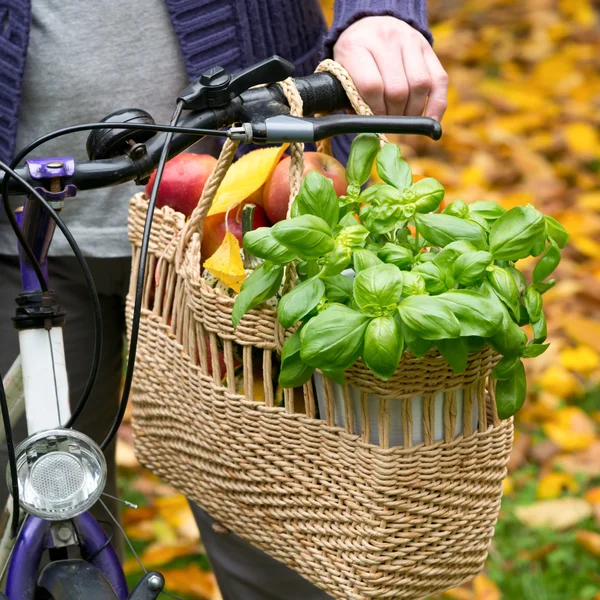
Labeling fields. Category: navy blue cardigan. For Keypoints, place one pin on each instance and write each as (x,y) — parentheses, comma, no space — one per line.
(230,33)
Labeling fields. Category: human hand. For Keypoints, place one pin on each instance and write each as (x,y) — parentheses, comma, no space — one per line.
(394,67)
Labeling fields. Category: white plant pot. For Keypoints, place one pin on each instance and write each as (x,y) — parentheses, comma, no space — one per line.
(396,433)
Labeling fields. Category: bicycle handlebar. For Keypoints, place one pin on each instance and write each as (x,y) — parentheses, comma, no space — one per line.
(265,113)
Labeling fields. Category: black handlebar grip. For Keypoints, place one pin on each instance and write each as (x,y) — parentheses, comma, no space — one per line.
(321,93)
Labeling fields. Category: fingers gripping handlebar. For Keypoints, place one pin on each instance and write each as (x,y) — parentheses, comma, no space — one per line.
(265,112)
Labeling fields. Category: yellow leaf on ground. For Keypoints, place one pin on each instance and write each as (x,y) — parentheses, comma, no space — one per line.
(508,487)
(125,456)
(590,201)
(159,554)
(583,330)
(460,593)
(485,589)
(553,485)
(581,359)
(586,245)
(560,382)
(245,176)
(593,495)
(226,263)
(586,462)
(590,540)
(572,429)
(559,514)
(191,580)
(582,139)
(163,532)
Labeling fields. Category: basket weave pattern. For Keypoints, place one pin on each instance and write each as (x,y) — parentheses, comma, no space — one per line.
(358,520)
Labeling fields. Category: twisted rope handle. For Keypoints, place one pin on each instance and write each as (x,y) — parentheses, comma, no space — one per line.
(198,216)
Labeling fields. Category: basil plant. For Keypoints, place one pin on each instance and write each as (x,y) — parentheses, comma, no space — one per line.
(381,272)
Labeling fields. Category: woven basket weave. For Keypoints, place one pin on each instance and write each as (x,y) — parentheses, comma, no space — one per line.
(357,519)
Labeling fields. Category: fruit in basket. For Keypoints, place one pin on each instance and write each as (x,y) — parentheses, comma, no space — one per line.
(215,227)
(277,191)
(182,182)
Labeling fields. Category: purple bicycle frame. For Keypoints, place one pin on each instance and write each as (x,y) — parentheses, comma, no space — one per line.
(34,538)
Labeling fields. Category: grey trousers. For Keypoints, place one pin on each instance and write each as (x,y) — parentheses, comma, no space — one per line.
(243,572)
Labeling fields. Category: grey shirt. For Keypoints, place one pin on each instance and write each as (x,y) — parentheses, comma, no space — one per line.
(87,59)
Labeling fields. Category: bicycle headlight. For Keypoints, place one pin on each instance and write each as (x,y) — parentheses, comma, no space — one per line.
(61,474)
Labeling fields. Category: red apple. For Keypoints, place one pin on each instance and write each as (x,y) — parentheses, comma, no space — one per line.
(182,182)
(215,228)
(277,191)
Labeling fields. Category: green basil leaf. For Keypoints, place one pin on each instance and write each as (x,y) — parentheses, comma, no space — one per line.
(334,338)
(511,393)
(260,242)
(414,284)
(510,338)
(369,195)
(415,344)
(337,261)
(293,372)
(490,211)
(441,230)
(479,220)
(383,218)
(396,255)
(556,232)
(317,197)
(335,376)
(363,259)
(523,316)
(388,195)
(383,348)
(504,285)
(428,194)
(470,268)
(348,220)
(547,263)
(540,330)
(533,304)
(477,314)
(338,288)
(534,350)
(308,268)
(455,353)
(299,301)
(519,280)
(543,287)
(308,236)
(360,161)
(515,233)
(429,317)
(446,256)
(392,168)
(474,343)
(457,208)
(505,368)
(262,284)
(377,290)
(352,235)
(437,280)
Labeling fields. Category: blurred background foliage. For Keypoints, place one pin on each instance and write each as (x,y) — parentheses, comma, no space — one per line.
(522,126)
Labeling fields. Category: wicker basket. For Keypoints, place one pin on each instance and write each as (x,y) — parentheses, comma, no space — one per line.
(358,519)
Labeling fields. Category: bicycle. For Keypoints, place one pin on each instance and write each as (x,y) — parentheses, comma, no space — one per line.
(57,473)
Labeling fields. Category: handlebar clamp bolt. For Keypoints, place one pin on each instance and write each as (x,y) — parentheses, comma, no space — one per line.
(155,583)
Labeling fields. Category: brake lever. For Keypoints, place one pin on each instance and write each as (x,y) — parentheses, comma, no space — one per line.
(216,87)
(285,128)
